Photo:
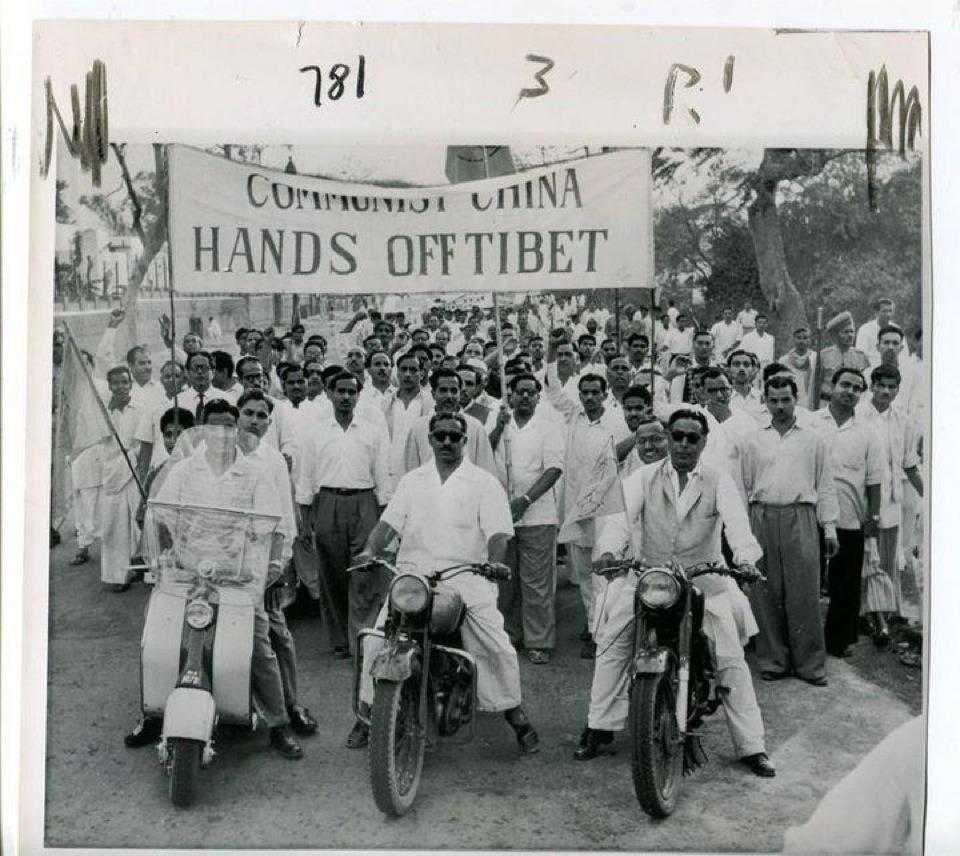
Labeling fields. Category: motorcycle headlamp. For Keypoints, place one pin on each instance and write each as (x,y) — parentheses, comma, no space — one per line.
(410,594)
(199,614)
(658,589)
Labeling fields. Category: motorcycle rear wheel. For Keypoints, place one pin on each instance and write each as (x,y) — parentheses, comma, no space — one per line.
(184,770)
(657,761)
(397,746)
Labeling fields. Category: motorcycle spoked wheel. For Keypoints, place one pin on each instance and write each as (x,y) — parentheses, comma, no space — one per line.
(657,762)
(397,746)
(184,770)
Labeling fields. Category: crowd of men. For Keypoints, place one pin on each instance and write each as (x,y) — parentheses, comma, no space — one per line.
(806,464)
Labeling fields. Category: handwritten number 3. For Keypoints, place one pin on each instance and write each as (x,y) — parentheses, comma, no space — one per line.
(544,86)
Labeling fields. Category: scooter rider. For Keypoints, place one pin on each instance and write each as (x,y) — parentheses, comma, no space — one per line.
(200,479)
(447,512)
(675,508)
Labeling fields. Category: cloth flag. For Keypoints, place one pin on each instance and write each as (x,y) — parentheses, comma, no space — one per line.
(600,494)
(80,424)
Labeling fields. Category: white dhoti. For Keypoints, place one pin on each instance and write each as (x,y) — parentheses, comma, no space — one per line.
(580,563)
(86,515)
(728,623)
(119,533)
(498,672)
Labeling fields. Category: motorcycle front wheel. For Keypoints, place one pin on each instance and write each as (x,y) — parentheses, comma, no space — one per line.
(397,745)
(184,770)
(657,762)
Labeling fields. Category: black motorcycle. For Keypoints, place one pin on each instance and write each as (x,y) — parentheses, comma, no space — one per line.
(425,685)
(672,677)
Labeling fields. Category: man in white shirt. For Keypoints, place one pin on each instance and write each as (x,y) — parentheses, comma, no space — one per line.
(747,318)
(449,512)
(759,342)
(726,335)
(802,362)
(680,339)
(868,333)
(345,477)
(402,407)
(675,510)
(561,376)
(223,376)
(379,366)
(591,432)
(745,397)
(200,377)
(529,449)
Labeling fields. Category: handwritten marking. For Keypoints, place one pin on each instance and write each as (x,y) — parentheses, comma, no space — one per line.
(339,72)
(300,26)
(693,78)
(728,73)
(880,126)
(89,141)
(544,87)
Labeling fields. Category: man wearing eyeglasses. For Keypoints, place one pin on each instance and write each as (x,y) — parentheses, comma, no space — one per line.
(675,508)
(448,512)
(201,390)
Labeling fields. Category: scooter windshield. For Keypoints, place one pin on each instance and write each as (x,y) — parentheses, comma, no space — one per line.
(222,547)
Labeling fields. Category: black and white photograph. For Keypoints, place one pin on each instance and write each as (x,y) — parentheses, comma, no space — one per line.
(531,494)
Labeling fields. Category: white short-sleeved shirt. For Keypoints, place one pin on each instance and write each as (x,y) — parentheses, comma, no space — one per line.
(443,524)
(534,449)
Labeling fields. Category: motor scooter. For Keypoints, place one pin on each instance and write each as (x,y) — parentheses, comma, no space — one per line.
(210,567)
(673,682)
(425,684)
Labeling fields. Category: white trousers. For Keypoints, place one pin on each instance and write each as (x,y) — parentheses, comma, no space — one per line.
(120,535)
(609,694)
(580,562)
(498,672)
(86,514)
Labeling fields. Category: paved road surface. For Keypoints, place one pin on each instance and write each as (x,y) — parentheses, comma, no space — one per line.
(481,795)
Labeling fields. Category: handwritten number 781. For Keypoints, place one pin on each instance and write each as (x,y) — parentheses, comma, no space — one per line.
(337,77)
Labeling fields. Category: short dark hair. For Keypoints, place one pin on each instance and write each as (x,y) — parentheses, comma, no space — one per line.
(586,337)
(254,395)
(407,355)
(218,405)
(845,370)
(439,374)
(700,333)
(330,371)
(779,381)
(283,369)
(222,362)
(772,369)
(180,415)
(343,374)
(592,377)
(762,315)
(882,372)
(638,337)
(638,392)
(369,357)
(196,356)
(739,352)
(118,370)
(889,328)
(437,417)
(688,413)
(713,373)
(465,367)
(240,333)
(512,383)
(132,353)
(243,362)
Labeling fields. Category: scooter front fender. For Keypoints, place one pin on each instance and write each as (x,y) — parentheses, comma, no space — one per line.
(395,663)
(652,661)
(190,713)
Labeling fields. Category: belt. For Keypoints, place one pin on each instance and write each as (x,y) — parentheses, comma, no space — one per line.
(345,491)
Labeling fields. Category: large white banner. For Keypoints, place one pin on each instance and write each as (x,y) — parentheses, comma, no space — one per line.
(580,224)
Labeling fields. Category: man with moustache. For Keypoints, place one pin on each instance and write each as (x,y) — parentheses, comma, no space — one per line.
(744,397)
(802,363)
(681,391)
(531,449)
(841,354)
(675,508)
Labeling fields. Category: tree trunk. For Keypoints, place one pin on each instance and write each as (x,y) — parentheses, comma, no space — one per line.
(783,302)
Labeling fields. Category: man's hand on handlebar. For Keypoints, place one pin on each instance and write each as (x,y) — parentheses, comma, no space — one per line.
(497,571)
(750,573)
(604,566)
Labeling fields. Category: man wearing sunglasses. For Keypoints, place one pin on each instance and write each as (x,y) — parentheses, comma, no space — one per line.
(446,512)
(675,509)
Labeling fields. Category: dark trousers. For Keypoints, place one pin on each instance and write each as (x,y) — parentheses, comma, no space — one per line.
(843,582)
(281,640)
(342,523)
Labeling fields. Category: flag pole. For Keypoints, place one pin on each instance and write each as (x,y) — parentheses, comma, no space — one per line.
(817,378)
(653,343)
(103,408)
(173,309)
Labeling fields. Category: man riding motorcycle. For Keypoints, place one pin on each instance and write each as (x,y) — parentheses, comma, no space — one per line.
(446,512)
(675,508)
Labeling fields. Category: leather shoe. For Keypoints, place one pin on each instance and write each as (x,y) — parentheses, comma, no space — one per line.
(359,735)
(774,676)
(760,765)
(585,635)
(815,682)
(148,730)
(300,720)
(528,739)
(282,740)
(592,742)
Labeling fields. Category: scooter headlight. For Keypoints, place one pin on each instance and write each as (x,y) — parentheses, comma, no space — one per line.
(199,614)
(658,589)
(410,594)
